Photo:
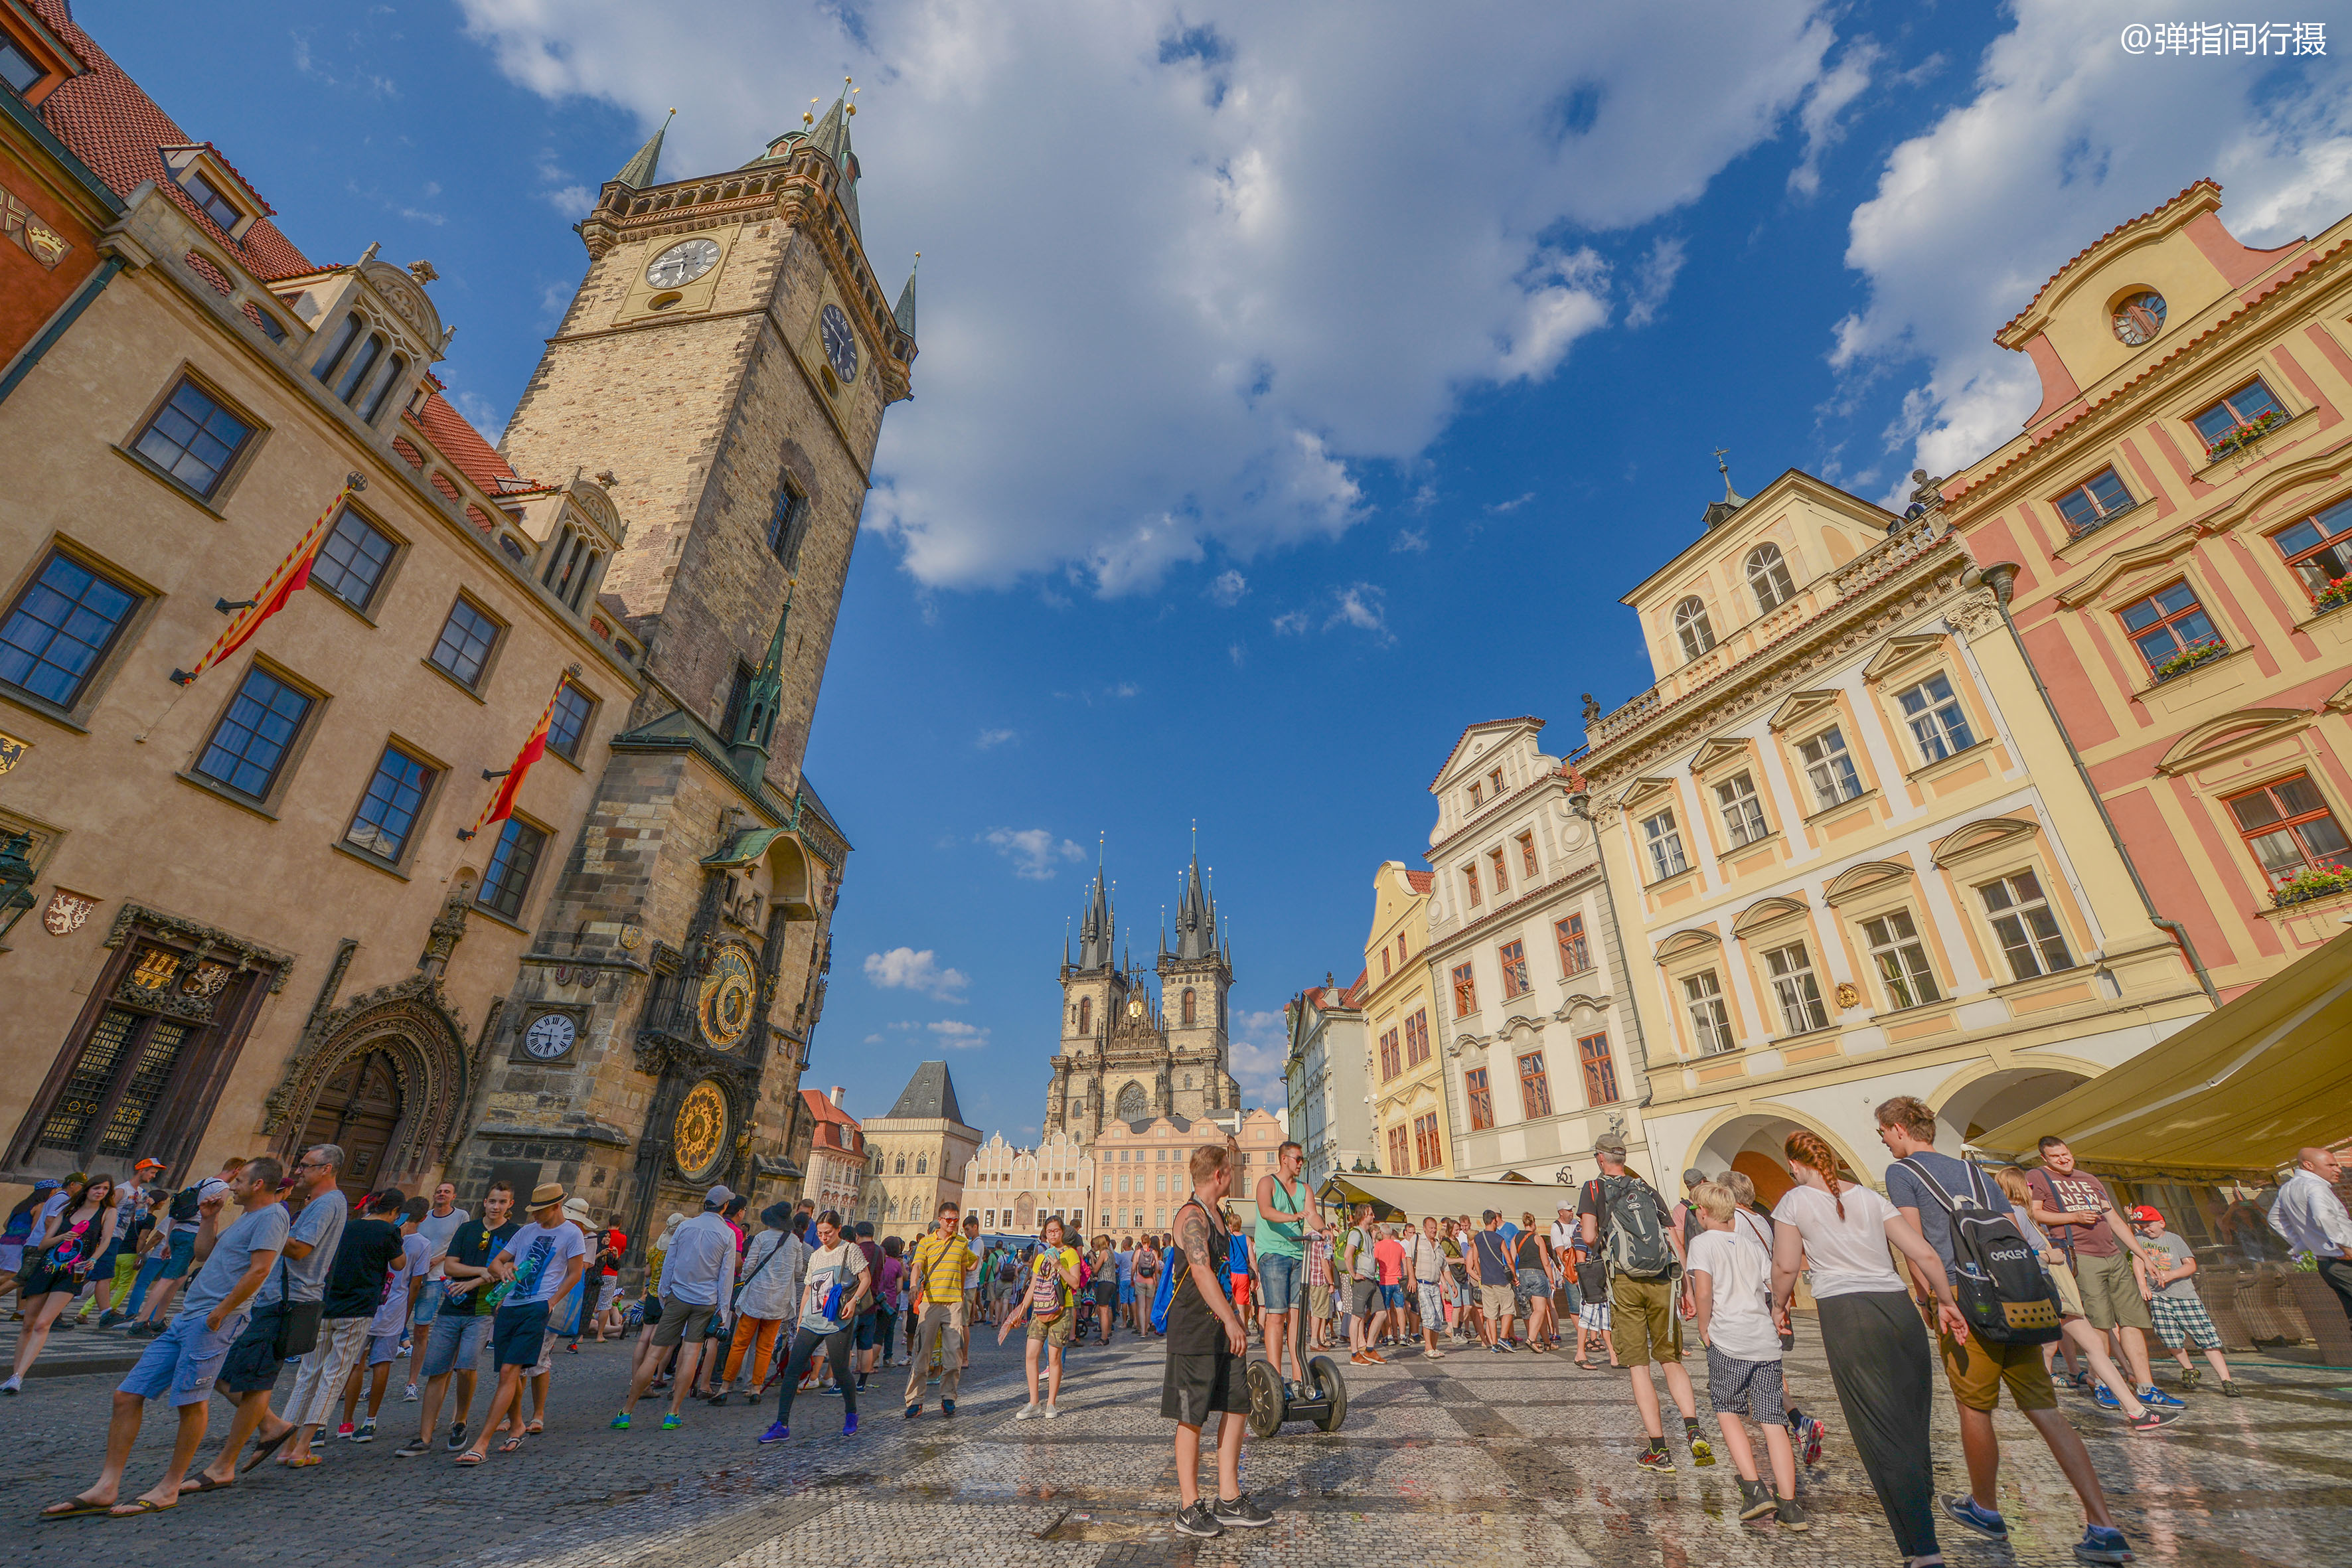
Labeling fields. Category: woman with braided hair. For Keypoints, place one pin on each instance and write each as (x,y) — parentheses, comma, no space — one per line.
(1878,1351)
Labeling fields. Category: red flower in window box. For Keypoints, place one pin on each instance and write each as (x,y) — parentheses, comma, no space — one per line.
(2189,658)
(2238,435)
(2323,881)
(2334,596)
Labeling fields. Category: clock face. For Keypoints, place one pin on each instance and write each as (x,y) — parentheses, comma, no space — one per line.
(840,342)
(727,995)
(549,1036)
(683,263)
(698,1136)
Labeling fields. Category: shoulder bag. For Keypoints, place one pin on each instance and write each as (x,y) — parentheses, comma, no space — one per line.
(298,1321)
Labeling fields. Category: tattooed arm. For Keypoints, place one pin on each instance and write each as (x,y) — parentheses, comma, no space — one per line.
(1192,1235)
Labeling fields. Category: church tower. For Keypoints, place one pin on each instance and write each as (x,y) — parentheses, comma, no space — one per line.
(1096,991)
(1194,977)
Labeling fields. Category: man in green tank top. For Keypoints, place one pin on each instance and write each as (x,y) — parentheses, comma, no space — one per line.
(1285,1210)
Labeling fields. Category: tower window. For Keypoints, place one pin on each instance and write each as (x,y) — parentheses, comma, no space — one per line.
(1189,1005)
(1693,628)
(1767,577)
(788,525)
(739,692)
(1085,1015)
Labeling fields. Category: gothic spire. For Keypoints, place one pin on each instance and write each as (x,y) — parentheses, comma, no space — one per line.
(755,726)
(831,138)
(1196,917)
(1096,927)
(644,169)
(905,314)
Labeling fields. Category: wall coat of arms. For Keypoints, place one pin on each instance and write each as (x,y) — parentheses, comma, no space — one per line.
(67,912)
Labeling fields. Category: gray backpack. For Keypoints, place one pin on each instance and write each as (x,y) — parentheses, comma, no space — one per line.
(1636,1241)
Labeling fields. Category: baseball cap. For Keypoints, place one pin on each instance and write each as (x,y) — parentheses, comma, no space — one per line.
(2143,1215)
(1613,1146)
(1694,1176)
(48,1184)
(148,1165)
(715,1197)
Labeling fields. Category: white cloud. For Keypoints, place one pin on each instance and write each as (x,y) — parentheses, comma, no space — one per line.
(1033,852)
(1229,587)
(1144,327)
(1828,100)
(1409,541)
(2066,137)
(1654,280)
(958,1035)
(1259,1047)
(992,739)
(1362,605)
(1504,508)
(903,969)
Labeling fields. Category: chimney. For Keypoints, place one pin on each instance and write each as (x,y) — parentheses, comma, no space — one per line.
(836,1096)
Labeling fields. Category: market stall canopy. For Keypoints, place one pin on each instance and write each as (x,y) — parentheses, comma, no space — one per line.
(1417,1198)
(2234,1094)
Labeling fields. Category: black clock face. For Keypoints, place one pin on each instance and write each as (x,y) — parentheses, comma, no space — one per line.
(840,342)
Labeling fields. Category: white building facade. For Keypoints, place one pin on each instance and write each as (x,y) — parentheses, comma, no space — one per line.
(1330,1089)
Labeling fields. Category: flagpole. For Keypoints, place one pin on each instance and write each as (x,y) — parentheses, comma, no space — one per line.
(500,805)
(291,574)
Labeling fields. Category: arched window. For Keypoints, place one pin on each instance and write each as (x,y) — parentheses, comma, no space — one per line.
(1188,1081)
(1188,1005)
(391,384)
(902,1166)
(1767,574)
(1132,1104)
(1085,1015)
(348,389)
(1691,625)
(922,1165)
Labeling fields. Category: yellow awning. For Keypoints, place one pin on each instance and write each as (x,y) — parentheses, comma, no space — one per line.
(1417,1198)
(2235,1093)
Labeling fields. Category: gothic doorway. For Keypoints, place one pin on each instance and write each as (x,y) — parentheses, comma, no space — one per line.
(357,1111)
(1024,1214)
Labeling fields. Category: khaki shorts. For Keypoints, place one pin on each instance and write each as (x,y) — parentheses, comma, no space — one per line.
(2070,1294)
(2111,1297)
(1057,1331)
(1318,1301)
(1642,1326)
(1978,1372)
(1501,1301)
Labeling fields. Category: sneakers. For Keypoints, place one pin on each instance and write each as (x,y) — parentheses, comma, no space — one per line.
(1810,1447)
(1375,1357)
(2103,1543)
(414,1448)
(2230,1387)
(408,1395)
(718,1398)
(1359,1359)
(849,1424)
(947,1406)
(673,1421)
(345,1430)
(2105,1398)
(1756,1499)
(1654,1457)
(2153,1420)
(366,1434)
(2188,1377)
(1983,1520)
(1789,1514)
(1052,1414)
(1198,1521)
(1027,1412)
(1506,1346)
(1241,1513)
(2154,1395)
(456,1436)
(1701,1453)
(109,1318)
(776,1433)
(620,1423)
(913,1411)
(14,1386)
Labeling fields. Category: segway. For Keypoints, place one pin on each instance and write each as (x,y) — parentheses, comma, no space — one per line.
(1324,1400)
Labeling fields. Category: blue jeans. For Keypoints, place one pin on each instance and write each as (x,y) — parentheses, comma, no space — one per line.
(1284,1281)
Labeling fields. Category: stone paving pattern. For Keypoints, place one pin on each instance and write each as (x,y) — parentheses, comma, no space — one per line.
(1482,1458)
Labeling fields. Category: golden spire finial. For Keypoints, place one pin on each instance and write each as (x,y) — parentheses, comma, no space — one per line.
(853,95)
(808,115)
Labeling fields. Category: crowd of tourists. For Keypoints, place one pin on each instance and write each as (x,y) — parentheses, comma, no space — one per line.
(2021,1282)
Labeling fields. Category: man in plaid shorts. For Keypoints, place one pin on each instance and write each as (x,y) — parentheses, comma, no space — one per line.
(2179,1313)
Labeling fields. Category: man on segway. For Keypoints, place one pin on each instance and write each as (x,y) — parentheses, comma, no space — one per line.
(1208,1352)
(1285,1211)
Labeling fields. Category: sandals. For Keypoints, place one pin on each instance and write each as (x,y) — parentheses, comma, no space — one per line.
(137,1506)
(533,1430)
(510,1444)
(263,1450)
(203,1483)
(470,1458)
(74,1508)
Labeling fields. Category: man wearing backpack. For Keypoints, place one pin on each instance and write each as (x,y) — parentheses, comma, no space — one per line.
(1626,1223)
(1978,1370)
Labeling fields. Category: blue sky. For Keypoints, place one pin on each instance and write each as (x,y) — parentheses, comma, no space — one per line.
(1299,385)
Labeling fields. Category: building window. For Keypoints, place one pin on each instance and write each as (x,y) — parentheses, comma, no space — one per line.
(507,880)
(59,628)
(1426,1151)
(2166,626)
(1416,1036)
(1397,1164)
(1743,814)
(2318,550)
(1190,1006)
(1470,882)
(1575,953)
(2093,502)
(352,561)
(1477,798)
(1600,1069)
(1384,960)
(568,723)
(1480,1097)
(1831,768)
(1502,882)
(2237,417)
(1085,1015)
(1534,1090)
(1466,991)
(1495,779)
(1514,957)
(2028,931)
(1527,842)
(249,745)
(1401,954)
(386,388)
(2288,827)
(1665,847)
(17,69)
(1901,960)
(334,357)
(387,814)
(192,438)
(363,365)
(1391,1060)
(1692,627)
(214,202)
(1793,986)
(462,651)
(1768,576)
(119,1078)
(1936,721)
(788,525)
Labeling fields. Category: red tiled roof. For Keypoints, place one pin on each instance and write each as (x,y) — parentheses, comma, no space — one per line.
(458,440)
(109,123)
(2077,257)
(824,1110)
(1420,881)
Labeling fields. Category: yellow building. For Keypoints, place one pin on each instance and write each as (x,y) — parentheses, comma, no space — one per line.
(1410,1126)
(1849,849)
(919,1152)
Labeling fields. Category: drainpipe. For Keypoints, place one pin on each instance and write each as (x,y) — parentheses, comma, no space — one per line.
(2001,578)
(67,313)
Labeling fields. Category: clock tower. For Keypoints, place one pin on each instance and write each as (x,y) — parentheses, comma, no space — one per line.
(723,371)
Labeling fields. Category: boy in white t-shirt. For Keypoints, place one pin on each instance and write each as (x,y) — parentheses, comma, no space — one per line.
(1731,1280)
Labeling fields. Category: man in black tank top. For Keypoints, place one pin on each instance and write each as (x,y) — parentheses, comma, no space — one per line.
(1208,1353)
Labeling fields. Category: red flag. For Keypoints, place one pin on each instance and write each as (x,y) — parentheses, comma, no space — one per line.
(288,578)
(502,804)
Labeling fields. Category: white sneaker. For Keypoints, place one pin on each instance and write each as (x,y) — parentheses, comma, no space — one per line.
(1051,1413)
(1024,1414)
(410,1395)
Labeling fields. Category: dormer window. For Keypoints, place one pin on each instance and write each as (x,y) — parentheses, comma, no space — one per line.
(214,202)
(17,69)
(1767,577)
(1692,627)
(33,62)
(216,192)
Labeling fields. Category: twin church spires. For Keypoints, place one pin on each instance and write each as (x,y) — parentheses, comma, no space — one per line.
(1198,937)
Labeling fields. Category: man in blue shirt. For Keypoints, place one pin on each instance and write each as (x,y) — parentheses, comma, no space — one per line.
(182,1361)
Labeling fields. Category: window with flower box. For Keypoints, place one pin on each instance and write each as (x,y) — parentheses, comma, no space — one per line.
(1575,953)
(2093,502)
(1514,958)
(2172,631)
(2237,419)
(1479,1098)
(2318,550)
(2293,836)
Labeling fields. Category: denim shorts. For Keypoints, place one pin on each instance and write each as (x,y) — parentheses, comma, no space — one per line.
(1392,1298)
(1285,1279)
(429,1300)
(183,1254)
(515,1334)
(384,1349)
(182,1361)
(455,1340)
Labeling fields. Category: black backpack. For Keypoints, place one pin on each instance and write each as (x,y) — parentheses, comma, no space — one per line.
(2004,1290)
(184,1205)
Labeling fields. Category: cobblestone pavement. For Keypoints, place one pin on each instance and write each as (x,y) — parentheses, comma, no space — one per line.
(1482,1458)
